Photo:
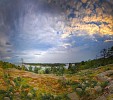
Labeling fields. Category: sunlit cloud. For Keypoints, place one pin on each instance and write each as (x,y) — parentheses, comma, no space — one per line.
(94,17)
(108,41)
(54,30)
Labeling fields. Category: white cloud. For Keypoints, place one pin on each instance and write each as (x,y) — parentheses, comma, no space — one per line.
(108,41)
(42,28)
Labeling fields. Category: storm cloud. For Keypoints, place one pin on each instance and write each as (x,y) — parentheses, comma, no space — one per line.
(54,30)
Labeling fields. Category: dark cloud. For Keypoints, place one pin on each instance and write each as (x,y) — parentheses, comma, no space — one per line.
(34,24)
(8,43)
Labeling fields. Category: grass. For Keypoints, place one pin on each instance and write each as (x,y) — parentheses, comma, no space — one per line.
(51,85)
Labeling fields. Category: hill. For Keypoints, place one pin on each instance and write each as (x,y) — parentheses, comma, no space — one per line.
(93,84)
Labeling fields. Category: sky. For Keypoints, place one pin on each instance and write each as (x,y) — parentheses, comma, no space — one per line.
(54,31)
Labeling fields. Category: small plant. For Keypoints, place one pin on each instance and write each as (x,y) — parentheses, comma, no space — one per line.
(104,84)
(46,97)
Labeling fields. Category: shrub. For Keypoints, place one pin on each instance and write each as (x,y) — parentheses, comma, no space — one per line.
(104,84)
(47,71)
(2,92)
(46,97)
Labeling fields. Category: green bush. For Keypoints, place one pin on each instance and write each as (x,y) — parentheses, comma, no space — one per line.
(46,97)
(104,84)
(47,71)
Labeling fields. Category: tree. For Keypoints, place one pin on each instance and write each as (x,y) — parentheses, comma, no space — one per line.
(36,70)
(70,66)
(30,69)
(47,70)
(60,70)
(104,53)
(110,51)
(23,67)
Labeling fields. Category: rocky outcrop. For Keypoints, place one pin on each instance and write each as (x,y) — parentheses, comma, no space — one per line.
(105,76)
(6,98)
(73,96)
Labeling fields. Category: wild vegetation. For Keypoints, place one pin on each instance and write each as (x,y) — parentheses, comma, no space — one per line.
(87,80)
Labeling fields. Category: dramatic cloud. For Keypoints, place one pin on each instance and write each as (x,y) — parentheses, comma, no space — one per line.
(94,17)
(54,30)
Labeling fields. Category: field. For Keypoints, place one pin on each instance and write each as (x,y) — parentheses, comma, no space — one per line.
(93,84)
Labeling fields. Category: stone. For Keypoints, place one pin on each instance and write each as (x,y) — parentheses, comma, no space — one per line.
(29,95)
(73,96)
(98,88)
(90,91)
(17,94)
(110,87)
(86,81)
(101,98)
(87,89)
(35,88)
(78,89)
(110,83)
(83,85)
(6,98)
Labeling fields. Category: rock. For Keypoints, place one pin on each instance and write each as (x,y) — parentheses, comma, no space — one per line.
(17,94)
(6,98)
(78,89)
(101,98)
(110,83)
(98,89)
(17,98)
(35,88)
(86,81)
(89,90)
(104,76)
(110,87)
(109,79)
(73,96)
(83,85)
(29,95)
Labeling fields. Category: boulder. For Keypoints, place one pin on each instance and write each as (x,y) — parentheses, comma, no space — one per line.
(101,98)
(87,89)
(83,85)
(110,83)
(6,98)
(110,87)
(98,89)
(73,96)
(30,95)
(78,89)
(35,88)
(17,94)
(90,91)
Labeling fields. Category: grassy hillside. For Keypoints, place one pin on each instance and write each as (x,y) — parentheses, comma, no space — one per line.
(85,84)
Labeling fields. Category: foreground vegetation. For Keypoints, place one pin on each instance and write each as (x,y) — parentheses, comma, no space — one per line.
(89,80)
(23,85)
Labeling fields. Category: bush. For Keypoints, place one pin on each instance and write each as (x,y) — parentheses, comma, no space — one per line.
(47,71)
(46,97)
(104,84)
(2,92)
